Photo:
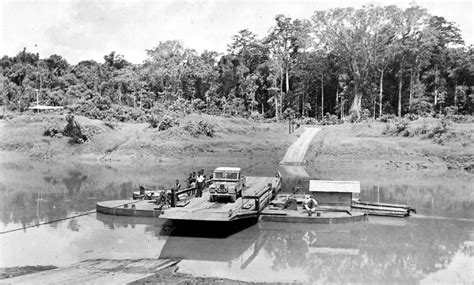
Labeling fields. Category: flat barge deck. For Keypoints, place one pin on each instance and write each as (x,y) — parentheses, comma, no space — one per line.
(254,198)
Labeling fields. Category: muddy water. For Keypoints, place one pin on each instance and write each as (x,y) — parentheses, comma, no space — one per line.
(435,245)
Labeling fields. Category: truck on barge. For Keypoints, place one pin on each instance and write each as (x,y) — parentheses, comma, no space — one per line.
(230,197)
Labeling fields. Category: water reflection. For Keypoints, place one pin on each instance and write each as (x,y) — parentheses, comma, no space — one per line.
(373,252)
(400,250)
(20,207)
(384,249)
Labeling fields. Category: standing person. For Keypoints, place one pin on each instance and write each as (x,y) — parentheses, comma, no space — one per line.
(189,180)
(174,189)
(193,182)
(200,184)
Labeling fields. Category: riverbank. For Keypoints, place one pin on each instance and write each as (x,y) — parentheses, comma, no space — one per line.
(374,145)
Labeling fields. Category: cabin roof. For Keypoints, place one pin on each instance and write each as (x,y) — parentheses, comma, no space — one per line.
(334,186)
(43,107)
(234,169)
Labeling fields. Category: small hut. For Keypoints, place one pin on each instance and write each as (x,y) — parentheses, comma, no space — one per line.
(334,193)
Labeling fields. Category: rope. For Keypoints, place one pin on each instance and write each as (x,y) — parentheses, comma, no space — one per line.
(60,220)
(84,214)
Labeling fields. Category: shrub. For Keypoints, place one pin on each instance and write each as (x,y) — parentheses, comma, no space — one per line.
(387,118)
(198,105)
(53,131)
(200,128)
(307,121)
(256,116)
(329,119)
(411,117)
(74,131)
(440,129)
(153,121)
(167,122)
(399,126)
(460,118)
(364,116)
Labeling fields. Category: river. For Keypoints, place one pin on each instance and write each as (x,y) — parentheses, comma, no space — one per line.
(434,245)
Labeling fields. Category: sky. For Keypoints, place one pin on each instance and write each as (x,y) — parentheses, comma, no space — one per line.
(84,29)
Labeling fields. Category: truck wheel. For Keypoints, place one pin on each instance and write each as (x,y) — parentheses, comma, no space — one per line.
(233,198)
(213,198)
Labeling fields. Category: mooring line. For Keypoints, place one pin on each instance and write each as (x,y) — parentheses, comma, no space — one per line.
(63,219)
(85,214)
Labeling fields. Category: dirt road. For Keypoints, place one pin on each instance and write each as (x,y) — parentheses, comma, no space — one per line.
(296,152)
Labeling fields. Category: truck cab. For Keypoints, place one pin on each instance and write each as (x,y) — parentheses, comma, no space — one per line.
(228,183)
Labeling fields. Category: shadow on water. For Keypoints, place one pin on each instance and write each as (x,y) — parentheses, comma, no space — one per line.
(402,250)
(206,229)
(380,250)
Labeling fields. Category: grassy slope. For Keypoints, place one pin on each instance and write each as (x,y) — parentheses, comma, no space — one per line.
(130,142)
(133,152)
(361,152)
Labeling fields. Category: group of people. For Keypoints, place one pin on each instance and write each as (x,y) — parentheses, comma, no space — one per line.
(198,181)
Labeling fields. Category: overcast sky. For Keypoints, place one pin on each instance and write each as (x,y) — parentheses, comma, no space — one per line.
(82,30)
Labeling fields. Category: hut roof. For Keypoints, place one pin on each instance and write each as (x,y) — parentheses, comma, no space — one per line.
(334,186)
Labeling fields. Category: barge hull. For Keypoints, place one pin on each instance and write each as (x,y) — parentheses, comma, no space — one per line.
(136,208)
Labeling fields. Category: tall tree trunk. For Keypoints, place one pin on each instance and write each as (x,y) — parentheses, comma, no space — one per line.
(410,98)
(281,90)
(381,93)
(337,98)
(436,87)
(400,85)
(375,105)
(342,107)
(276,106)
(322,96)
(357,102)
(456,97)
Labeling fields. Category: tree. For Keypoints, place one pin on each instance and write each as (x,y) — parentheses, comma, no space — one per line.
(351,35)
(286,39)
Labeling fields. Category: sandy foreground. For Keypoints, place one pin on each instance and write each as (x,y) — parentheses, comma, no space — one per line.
(343,152)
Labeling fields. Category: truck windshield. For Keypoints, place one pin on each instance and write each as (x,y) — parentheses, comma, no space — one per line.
(231,175)
(226,175)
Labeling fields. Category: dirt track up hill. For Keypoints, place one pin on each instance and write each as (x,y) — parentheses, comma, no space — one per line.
(297,151)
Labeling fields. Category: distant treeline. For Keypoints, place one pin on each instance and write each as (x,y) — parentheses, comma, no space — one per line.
(360,62)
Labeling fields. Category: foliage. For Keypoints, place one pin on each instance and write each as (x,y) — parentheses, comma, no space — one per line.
(200,128)
(365,62)
(387,118)
(53,130)
(411,117)
(397,127)
(440,129)
(306,121)
(72,130)
(256,116)
(163,123)
(329,119)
